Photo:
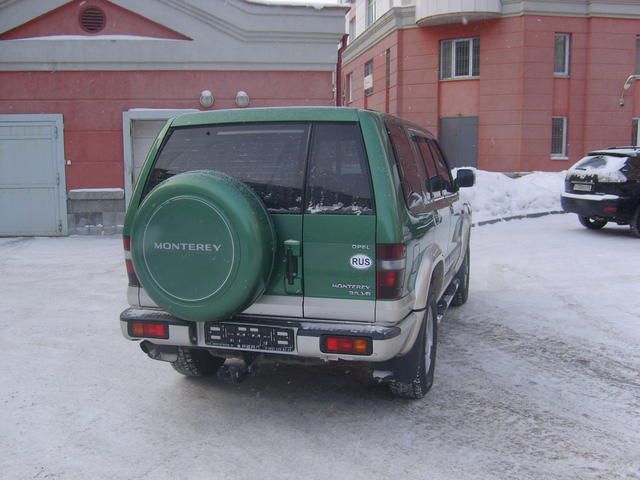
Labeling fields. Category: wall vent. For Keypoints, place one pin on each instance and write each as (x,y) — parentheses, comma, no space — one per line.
(92,19)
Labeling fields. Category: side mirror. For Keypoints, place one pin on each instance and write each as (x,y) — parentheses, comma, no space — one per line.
(465,177)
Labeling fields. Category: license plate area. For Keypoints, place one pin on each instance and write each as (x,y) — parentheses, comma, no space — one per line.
(249,337)
(582,187)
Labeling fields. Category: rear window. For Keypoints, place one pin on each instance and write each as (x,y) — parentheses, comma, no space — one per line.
(606,167)
(270,158)
(338,181)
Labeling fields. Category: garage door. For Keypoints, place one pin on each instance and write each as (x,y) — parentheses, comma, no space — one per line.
(32,184)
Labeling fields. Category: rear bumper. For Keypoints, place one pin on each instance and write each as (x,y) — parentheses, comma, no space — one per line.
(388,341)
(610,207)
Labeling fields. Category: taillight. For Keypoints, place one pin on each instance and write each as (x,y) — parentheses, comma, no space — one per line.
(148,329)
(131,272)
(350,345)
(391,263)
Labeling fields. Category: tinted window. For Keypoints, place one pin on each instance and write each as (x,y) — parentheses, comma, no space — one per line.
(427,157)
(270,158)
(338,180)
(413,174)
(441,165)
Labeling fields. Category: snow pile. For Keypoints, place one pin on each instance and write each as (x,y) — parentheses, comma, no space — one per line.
(496,196)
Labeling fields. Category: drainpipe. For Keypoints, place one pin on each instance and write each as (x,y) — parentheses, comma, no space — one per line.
(343,46)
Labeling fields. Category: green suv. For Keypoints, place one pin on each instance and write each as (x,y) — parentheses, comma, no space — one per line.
(305,233)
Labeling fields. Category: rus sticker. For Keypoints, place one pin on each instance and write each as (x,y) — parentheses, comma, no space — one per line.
(360,262)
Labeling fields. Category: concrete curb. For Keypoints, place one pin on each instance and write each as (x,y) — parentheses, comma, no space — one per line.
(517,217)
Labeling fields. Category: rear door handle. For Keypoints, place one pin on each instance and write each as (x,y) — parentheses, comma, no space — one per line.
(293,270)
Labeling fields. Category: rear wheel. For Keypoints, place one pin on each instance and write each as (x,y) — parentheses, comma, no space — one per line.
(196,363)
(420,361)
(635,222)
(592,223)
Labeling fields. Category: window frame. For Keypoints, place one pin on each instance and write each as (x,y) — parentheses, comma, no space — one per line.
(348,82)
(635,131)
(352,30)
(452,66)
(370,13)
(368,91)
(565,127)
(638,55)
(364,163)
(566,72)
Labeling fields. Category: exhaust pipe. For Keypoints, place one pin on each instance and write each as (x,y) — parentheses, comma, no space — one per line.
(164,353)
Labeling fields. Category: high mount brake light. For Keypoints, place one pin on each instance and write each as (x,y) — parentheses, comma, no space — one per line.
(391,264)
(131,271)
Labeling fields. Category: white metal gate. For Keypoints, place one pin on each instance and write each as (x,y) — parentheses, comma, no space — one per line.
(140,128)
(32,181)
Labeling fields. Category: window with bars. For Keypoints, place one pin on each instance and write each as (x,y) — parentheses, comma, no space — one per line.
(368,78)
(459,58)
(562,50)
(559,137)
(370,16)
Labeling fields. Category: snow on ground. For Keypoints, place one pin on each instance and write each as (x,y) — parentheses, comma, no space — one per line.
(496,195)
(537,377)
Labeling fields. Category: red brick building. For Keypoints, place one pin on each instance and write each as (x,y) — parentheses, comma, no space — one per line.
(86,85)
(507,85)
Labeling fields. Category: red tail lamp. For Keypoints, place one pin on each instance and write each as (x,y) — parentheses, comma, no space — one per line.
(148,329)
(391,264)
(343,344)
(131,271)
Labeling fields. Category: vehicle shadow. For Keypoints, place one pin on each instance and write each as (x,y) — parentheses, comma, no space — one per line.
(273,378)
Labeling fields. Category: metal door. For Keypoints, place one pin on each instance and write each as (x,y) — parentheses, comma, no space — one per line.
(143,134)
(32,182)
(459,140)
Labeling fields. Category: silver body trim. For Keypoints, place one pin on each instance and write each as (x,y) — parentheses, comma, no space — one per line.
(278,305)
(309,346)
(340,309)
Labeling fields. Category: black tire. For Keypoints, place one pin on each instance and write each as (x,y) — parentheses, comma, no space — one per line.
(592,223)
(463,275)
(635,223)
(196,363)
(416,360)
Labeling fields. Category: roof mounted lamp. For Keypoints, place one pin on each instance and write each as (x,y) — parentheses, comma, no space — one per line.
(627,86)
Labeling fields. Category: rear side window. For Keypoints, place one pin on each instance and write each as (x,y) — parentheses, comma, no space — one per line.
(443,170)
(338,181)
(413,174)
(270,158)
(427,157)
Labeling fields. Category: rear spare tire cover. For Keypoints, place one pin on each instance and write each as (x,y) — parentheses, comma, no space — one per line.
(203,245)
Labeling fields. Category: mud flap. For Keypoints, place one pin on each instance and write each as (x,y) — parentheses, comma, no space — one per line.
(404,368)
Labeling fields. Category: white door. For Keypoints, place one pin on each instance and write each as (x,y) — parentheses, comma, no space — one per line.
(143,133)
(32,183)
(139,129)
